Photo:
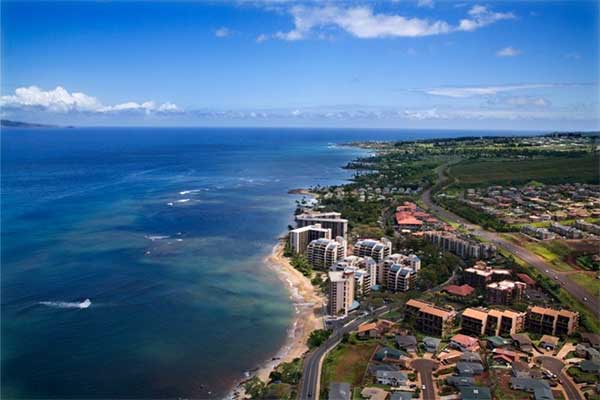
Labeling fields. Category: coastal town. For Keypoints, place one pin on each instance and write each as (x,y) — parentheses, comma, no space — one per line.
(423,285)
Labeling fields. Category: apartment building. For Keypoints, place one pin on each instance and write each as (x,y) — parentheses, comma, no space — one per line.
(341,292)
(538,233)
(567,231)
(491,322)
(378,250)
(299,238)
(462,247)
(399,272)
(428,318)
(327,220)
(480,275)
(549,321)
(323,253)
(365,273)
(587,226)
(505,292)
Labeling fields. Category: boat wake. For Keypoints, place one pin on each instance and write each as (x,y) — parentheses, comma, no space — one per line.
(67,304)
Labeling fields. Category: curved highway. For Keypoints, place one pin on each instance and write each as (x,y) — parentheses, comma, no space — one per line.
(311,371)
(545,268)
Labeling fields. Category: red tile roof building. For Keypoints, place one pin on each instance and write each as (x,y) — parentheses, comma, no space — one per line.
(460,291)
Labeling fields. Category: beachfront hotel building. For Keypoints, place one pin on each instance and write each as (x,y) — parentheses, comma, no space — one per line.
(399,272)
(341,292)
(428,318)
(365,273)
(378,250)
(462,247)
(327,220)
(504,292)
(323,253)
(548,321)
(299,238)
(491,322)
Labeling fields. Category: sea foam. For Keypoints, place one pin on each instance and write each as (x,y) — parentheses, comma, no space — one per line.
(67,304)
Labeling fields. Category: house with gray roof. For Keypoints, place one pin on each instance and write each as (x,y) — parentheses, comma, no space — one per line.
(522,342)
(472,357)
(407,343)
(528,384)
(468,368)
(388,354)
(590,366)
(542,394)
(459,381)
(401,395)
(431,344)
(475,393)
(391,378)
(339,391)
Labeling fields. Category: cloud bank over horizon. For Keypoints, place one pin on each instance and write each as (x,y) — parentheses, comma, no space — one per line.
(362,22)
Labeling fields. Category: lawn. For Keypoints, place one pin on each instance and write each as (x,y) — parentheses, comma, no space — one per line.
(347,363)
(552,251)
(546,170)
(588,281)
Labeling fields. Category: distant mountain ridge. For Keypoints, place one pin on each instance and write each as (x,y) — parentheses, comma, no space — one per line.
(20,124)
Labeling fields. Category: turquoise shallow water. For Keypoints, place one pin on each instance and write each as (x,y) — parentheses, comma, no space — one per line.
(164,231)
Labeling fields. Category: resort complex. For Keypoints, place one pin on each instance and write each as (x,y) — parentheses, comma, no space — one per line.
(426,305)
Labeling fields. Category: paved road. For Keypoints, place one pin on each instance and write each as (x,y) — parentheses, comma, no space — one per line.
(545,268)
(311,374)
(555,366)
(425,370)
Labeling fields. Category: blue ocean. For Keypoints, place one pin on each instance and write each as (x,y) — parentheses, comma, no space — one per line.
(132,259)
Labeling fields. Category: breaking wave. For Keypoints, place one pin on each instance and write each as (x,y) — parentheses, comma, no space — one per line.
(67,304)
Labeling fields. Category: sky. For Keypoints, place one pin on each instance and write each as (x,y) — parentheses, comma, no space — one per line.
(525,65)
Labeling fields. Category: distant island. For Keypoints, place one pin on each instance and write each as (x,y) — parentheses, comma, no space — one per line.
(20,124)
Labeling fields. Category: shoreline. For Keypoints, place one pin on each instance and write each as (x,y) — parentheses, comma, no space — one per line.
(308,305)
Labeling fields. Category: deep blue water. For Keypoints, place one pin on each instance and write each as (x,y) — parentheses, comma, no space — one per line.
(164,230)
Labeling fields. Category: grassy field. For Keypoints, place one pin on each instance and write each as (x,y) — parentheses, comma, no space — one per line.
(588,281)
(552,251)
(546,170)
(347,363)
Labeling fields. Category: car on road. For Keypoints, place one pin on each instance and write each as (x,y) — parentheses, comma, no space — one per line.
(585,299)
(423,387)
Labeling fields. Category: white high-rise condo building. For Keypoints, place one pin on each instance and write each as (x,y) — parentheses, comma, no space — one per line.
(376,249)
(323,253)
(365,273)
(399,272)
(341,292)
(327,220)
(299,238)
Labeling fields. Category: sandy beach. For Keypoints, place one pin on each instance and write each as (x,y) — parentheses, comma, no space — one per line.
(308,304)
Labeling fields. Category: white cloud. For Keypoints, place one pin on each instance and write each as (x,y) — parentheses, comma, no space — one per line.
(222,32)
(261,38)
(58,100)
(527,101)
(508,52)
(464,92)
(364,23)
(425,3)
(61,101)
(480,16)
